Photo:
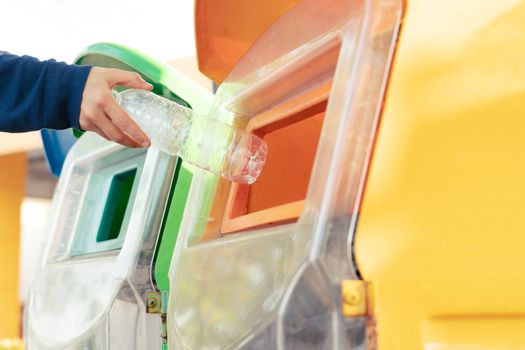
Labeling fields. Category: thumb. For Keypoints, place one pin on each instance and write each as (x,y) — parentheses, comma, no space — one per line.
(129,79)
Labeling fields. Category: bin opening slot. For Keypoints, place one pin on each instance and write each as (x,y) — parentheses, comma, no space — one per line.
(116,205)
(292,133)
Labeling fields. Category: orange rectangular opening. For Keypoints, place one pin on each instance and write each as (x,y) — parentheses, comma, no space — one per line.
(292,132)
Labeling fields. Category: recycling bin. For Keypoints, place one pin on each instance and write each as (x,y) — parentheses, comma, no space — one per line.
(104,272)
(260,266)
(331,248)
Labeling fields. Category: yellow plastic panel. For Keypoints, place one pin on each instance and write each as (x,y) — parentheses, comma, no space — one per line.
(442,230)
(225,29)
(474,333)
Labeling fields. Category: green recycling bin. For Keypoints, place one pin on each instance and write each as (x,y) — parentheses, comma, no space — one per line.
(103,279)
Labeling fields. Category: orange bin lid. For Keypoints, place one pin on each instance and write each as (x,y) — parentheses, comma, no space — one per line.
(224,30)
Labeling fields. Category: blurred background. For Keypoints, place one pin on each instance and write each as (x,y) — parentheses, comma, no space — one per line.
(61,29)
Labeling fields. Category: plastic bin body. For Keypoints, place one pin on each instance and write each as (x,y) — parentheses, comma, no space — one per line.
(440,231)
(107,249)
(260,267)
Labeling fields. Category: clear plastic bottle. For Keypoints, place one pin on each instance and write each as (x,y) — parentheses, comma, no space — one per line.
(202,141)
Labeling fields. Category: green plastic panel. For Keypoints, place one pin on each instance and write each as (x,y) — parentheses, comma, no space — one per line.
(116,205)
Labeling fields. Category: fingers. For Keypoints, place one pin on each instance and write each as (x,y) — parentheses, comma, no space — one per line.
(122,120)
(129,79)
(106,126)
(96,120)
(100,132)
(117,114)
(99,112)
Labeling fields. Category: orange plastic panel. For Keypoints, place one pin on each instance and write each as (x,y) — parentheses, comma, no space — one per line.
(292,133)
(225,29)
(287,171)
(13,169)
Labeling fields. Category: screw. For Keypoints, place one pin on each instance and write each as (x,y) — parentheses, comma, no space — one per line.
(351,297)
(152,303)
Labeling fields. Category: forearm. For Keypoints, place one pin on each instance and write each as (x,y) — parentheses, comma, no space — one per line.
(39,94)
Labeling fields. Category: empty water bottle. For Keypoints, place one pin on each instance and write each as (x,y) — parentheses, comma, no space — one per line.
(202,141)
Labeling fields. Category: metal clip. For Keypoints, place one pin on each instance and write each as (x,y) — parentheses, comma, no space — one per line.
(153,302)
(354,298)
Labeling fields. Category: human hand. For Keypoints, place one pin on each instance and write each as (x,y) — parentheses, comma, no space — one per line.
(99,112)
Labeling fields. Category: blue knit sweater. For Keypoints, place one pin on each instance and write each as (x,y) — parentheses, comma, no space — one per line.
(39,94)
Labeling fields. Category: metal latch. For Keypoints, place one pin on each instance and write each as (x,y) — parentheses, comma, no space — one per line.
(354,297)
(153,302)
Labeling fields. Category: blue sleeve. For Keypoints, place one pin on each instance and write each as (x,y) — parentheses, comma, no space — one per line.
(39,94)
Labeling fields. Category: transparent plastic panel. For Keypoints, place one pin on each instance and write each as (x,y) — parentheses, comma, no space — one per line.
(66,301)
(96,338)
(102,205)
(258,273)
(96,271)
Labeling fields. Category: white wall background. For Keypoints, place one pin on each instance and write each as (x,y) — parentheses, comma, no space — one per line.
(60,29)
